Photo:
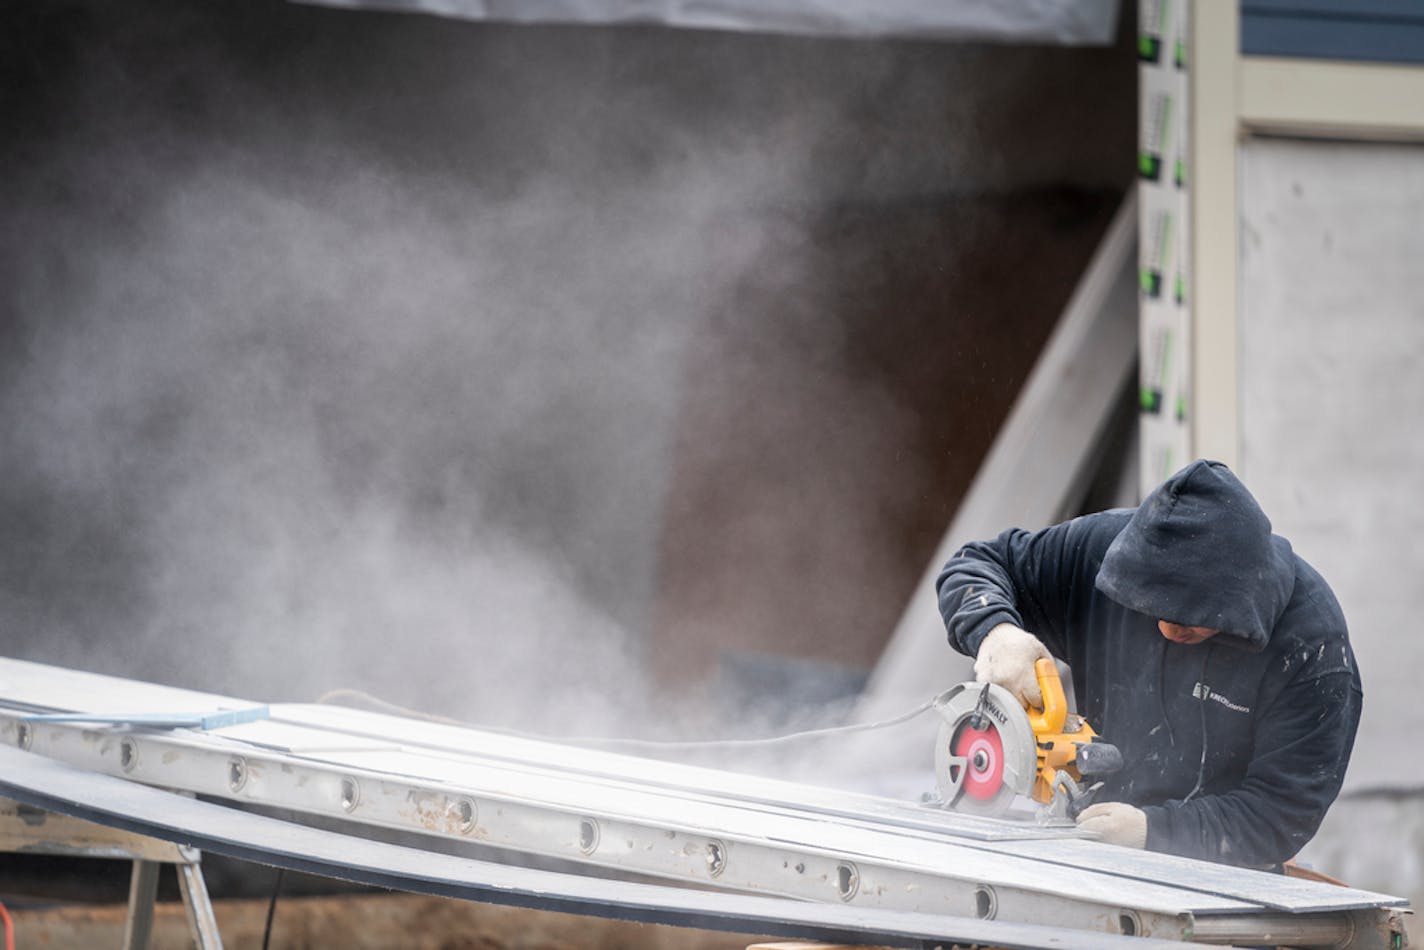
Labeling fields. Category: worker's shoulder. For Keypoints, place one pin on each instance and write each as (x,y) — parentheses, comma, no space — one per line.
(1100,526)
(1313,609)
(1311,638)
(1082,541)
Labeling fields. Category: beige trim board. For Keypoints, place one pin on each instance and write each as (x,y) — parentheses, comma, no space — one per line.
(1232,97)
(1358,101)
(1212,295)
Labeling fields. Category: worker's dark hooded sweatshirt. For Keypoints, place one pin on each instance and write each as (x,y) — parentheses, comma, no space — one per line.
(1234,747)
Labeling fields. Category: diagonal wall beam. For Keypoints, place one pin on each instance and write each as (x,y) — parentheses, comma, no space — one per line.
(1036,472)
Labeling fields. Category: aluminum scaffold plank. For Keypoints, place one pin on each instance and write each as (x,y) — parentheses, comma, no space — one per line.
(55,786)
(475,789)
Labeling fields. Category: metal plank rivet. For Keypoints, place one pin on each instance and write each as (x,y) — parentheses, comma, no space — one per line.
(847,881)
(986,902)
(350,794)
(588,836)
(236,773)
(716,858)
(466,811)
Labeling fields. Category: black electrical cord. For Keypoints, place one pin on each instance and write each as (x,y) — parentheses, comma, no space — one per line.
(336,696)
(272,908)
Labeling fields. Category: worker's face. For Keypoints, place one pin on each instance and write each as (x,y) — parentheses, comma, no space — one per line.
(1188,635)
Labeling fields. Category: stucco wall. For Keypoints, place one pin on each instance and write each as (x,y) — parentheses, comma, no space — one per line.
(1332,414)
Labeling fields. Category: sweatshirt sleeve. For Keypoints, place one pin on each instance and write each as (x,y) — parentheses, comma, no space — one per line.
(1020,577)
(1302,744)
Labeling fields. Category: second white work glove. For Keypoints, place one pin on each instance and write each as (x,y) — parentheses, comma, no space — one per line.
(1116,823)
(1006,659)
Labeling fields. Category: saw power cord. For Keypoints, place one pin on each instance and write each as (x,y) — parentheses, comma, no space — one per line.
(336,696)
(272,908)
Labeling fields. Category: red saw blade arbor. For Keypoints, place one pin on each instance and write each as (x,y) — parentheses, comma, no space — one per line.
(982,752)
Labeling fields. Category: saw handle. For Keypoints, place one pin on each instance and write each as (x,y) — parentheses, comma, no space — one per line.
(1050,719)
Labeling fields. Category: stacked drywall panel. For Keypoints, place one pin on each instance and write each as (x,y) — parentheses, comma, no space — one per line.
(1162,249)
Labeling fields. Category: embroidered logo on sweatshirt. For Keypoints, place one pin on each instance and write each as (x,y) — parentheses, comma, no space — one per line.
(1204,692)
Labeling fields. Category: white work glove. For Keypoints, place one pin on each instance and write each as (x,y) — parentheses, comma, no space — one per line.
(1116,823)
(1006,659)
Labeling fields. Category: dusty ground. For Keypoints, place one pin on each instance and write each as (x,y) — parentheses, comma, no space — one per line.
(357,922)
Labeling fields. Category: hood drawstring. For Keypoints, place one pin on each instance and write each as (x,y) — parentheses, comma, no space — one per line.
(1201,702)
(1162,693)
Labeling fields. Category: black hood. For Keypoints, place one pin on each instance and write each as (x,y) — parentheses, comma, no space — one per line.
(1199,552)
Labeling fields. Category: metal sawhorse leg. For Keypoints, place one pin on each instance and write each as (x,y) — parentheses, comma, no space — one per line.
(32,830)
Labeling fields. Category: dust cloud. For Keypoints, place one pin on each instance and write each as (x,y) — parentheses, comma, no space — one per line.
(320,376)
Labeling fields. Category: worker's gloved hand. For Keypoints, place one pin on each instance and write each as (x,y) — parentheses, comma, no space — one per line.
(1006,659)
(1115,823)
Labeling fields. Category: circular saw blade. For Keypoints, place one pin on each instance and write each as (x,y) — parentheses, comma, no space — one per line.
(984,754)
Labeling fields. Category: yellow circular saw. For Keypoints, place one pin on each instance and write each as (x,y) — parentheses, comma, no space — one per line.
(991,749)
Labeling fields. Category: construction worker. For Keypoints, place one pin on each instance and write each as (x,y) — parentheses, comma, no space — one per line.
(1201,645)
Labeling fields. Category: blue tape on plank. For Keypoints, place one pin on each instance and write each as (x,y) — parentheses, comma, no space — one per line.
(209,720)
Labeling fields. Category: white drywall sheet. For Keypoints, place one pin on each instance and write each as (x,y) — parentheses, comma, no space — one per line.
(1332,401)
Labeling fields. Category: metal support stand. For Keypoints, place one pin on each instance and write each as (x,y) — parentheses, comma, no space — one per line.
(201,922)
(34,831)
(143,890)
